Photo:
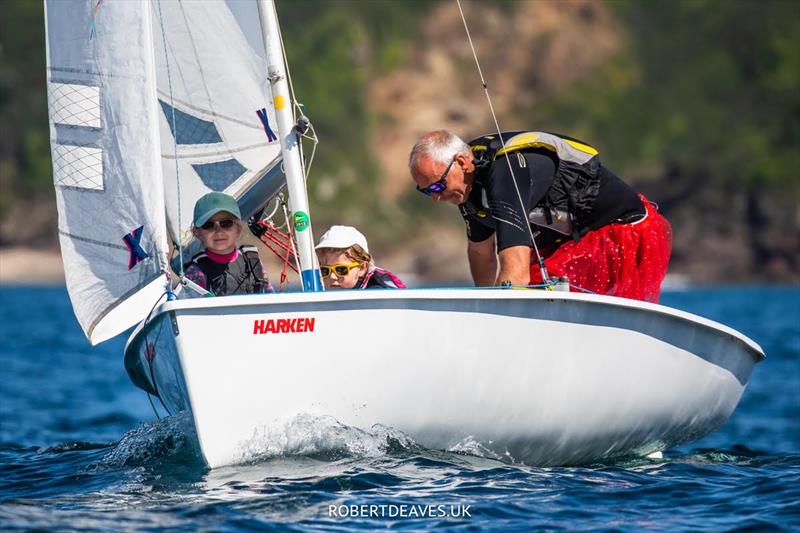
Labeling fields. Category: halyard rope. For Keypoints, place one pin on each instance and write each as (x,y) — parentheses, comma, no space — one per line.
(174,140)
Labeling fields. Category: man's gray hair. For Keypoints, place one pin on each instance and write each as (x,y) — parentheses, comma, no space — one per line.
(440,145)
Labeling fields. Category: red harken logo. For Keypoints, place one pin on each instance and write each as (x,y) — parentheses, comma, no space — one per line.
(284,325)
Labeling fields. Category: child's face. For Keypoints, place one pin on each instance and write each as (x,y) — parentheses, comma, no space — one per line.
(218,239)
(334,280)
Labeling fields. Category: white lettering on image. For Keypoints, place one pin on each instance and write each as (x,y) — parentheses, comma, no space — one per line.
(399,511)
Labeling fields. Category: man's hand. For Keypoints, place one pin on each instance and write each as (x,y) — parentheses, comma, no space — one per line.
(482,262)
(515,266)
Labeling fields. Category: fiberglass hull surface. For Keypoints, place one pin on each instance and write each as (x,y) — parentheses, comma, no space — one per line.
(547,378)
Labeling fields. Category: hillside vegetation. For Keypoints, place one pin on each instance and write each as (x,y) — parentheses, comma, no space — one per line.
(697,103)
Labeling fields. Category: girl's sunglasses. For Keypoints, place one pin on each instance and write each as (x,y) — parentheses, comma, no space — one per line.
(438,186)
(341,270)
(223,224)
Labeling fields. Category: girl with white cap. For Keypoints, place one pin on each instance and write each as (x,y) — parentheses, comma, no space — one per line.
(345,262)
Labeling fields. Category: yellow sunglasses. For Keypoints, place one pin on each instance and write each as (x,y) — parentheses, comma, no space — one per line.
(341,269)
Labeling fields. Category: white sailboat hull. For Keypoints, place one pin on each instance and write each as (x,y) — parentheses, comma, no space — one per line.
(544,378)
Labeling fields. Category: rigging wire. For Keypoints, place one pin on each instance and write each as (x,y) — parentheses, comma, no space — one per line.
(150,397)
(278,198)
(279,243)
(315,139)
(298,106)
(539,259)
(174,141)
(291,233)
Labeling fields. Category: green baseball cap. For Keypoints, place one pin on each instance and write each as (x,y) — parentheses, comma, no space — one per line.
(211,204)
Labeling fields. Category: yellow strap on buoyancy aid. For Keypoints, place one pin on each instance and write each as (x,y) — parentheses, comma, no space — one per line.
(560,214)
(565,149)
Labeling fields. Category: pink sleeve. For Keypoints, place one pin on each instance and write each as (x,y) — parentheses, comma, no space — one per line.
(194,274)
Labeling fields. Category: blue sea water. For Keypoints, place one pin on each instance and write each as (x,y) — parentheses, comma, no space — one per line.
(80,449)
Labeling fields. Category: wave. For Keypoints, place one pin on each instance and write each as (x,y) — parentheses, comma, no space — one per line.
(323,438)
(171,441)
(153,443)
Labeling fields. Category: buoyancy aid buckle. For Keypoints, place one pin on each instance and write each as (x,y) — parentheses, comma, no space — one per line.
(481,163)
(555,219)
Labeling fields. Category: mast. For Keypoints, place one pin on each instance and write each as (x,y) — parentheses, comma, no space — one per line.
(290,146)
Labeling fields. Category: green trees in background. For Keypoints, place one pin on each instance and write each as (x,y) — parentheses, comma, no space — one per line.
(703,89)
(25,169)
(706,89)
(333,50)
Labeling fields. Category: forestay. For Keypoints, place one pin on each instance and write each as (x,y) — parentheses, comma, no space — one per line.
(106,160)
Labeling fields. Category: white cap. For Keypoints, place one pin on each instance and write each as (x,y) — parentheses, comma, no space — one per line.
(343,237)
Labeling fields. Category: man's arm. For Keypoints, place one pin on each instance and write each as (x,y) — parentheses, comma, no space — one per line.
(515,265)
(482,262)
(533,174)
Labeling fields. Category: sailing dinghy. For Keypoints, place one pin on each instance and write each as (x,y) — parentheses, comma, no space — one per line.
(153,104)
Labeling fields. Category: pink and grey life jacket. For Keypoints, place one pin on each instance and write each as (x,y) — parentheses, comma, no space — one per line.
(244,275)
(378,278)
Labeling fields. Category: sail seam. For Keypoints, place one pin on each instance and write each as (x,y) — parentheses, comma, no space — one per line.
(101,75)
(92,241)
(229,151)
(209,113)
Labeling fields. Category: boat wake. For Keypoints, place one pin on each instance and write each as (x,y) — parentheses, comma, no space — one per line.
(170,441)
(323,438)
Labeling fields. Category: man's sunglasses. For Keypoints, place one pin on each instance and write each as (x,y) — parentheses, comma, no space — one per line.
(223,224)
(440,185)
(341,270)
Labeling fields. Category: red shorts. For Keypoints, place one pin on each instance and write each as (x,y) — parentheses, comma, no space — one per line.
(625,260)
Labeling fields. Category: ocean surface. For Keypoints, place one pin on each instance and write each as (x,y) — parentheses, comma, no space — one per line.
(81,449)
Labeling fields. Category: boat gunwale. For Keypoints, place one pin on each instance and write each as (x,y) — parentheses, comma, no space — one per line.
(460,293)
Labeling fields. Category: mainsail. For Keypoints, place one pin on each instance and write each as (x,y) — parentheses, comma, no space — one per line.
(152,105)
(106,160)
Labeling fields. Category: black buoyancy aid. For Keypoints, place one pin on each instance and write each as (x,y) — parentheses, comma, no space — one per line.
(242,276)
(576,183)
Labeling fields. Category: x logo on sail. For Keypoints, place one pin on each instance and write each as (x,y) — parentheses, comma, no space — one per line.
(262,114)
(95,11)
(132,240)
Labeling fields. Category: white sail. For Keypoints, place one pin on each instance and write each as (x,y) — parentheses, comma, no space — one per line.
(106,160)
(216,117)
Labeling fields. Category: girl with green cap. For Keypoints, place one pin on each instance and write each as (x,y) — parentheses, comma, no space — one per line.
(222,268)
